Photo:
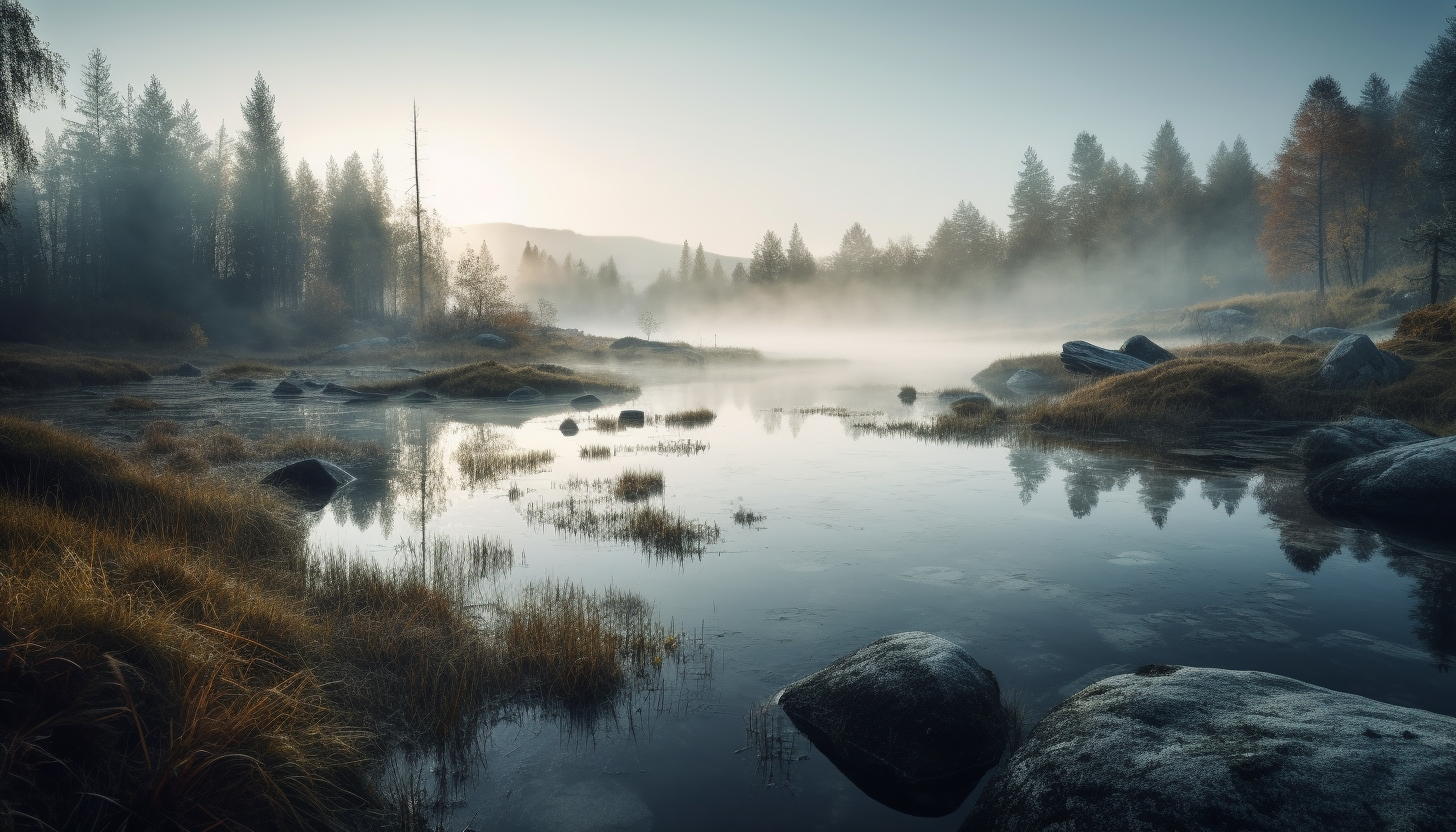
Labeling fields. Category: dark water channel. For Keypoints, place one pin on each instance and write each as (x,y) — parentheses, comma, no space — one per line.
(1053,565)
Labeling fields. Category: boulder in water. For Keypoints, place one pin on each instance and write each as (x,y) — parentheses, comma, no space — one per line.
(1328,444)
(333,389)
(587,402)
(287,388)
(1203,748)
(568,427)
(312,481)
(911,719)
(634,418)
(187,369)
(1089,359)
(1144,348)
(244,384)
(972,403)
(1410,485)
(525,394)
(1357,362)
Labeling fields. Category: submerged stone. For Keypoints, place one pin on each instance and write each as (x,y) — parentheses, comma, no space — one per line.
(187,369)
(568,427)
(587,402)
(333,389)
(1202,748)
(525,394)
(911,719)
(287,388)
(632,417)
(1089,359)
(1144,348)
(312,481)
(244,384)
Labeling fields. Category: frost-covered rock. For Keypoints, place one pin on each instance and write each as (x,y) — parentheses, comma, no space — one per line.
(525,394)
(1144,348)
(1225,320)
(1357,362)
(1411,484)
(910,718)
(1089,359)
(1203,749)
(312,481)
(1328,444)
(1027,383)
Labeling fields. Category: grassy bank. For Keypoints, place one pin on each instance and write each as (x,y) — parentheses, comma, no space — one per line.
(492,379)
(172,656)
(27,368)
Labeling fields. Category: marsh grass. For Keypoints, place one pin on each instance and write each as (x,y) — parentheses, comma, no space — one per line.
(660,533)
(492,379)
(699,417)
(665,447)
(487,456)
(173,656)
(25,367)
(634,485)
(596,452)
(746,517)
(774,742)
(199,450)
(245,369)
(135,404)
(606,424)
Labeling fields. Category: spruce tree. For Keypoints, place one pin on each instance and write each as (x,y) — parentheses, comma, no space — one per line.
(1081,198)
(700,266)
(1034,232)
(769,261)
(801,265)
(264,228)
(1430,102)
(685,264)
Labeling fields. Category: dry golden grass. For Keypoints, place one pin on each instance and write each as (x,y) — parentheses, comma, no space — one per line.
(1047,365)
(690,418)
(1300,311)
(606,424)
(24,367)
(134,404)
(635,484)
(171,656)
(661,533)
(197,451)
(246,369)
(491,379)
(1435,323)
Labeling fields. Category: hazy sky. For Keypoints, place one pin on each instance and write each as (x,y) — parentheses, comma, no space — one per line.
(714,122)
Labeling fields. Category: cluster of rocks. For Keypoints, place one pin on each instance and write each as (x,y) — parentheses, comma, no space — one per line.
(1381,473)
(1137,353)
(916,723)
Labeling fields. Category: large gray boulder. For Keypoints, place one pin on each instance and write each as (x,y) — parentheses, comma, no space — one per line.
(910,719)
(1207,749)
(1328,444)
(1027,383)
(312,482)
(1226,320)
(1082,357)
(1407,485)
(1144,348)
(485,339)
(1328,334)
(632,418)
(287,388)
(1357,362)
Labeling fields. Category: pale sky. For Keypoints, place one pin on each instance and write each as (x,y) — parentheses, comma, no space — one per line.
(714,122)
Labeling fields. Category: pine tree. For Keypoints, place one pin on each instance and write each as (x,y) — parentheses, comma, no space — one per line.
(1430,102)
(685,264)
(801,265)
(1082,197)
(1170,186)
(1306,183)
(264,229)
(965,245)
(700,266)
(740,274)
(1034,231)
(769,262)
(856,255)
(718,277)
(607,275)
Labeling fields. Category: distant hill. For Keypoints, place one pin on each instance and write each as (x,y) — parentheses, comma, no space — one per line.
(638,258)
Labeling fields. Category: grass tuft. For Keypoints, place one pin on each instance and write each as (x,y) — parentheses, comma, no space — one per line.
(596,452)
(634,485)
(691,418)
(488,456)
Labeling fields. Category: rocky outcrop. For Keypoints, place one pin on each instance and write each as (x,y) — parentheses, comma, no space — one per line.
(1226,320)
(1357,362)
(312,482)
(525,394)
(681,351)
(587,402)
(1406,485)
(1145,349)
(1089,359)
(1027,383)
(1203,749)
(287,388)
(1328,444)
(911,719)
(1327,334)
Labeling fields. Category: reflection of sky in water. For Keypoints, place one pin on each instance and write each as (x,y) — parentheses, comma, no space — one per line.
(1052,566)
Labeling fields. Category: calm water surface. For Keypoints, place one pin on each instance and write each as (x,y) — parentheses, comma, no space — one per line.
(1053,566)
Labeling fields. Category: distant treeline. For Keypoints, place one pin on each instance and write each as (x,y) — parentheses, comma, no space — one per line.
(136,222)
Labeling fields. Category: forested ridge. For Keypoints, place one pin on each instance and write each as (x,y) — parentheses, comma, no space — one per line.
(135,221)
